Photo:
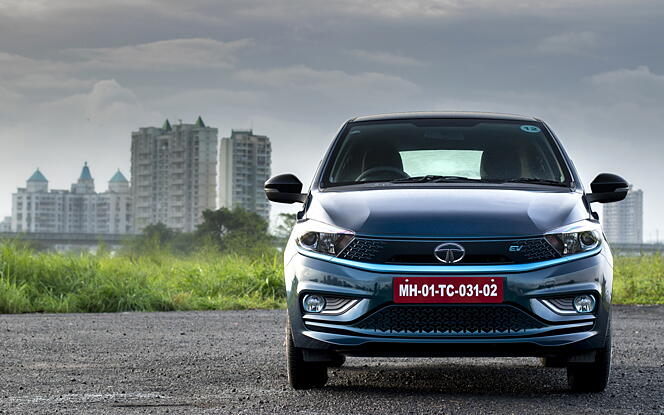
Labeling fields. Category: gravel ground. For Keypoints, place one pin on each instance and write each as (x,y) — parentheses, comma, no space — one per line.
(232,362)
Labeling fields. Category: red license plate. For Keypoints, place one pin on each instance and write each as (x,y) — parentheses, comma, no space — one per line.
(448,289)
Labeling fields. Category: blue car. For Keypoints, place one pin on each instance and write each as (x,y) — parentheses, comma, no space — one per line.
(448,234)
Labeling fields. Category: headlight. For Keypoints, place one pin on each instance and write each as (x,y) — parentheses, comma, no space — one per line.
(322,238)
(578,237)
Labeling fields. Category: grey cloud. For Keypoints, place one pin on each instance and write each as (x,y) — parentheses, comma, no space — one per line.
(165,54)
(10,99)
(107,98)
(638,84)
(385,58)
(45,81)
(37,78)
(391,9)
(327,82)
(15,66)
(107,104)
(569,43)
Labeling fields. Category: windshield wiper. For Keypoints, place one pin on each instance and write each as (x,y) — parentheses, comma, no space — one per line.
(435,179)
(461,179)
(533,180)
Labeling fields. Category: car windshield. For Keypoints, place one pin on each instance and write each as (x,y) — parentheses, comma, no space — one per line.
(445,151)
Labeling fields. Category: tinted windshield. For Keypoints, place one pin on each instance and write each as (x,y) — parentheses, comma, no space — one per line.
(445,150)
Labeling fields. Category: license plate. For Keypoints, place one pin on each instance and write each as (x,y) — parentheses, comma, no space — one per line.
(448,289)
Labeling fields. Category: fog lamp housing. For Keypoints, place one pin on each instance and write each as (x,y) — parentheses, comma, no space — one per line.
(584,303)
(313,303)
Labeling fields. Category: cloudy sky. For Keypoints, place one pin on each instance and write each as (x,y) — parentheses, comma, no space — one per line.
(77,76)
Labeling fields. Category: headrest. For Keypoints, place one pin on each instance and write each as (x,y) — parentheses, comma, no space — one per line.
(500,164)
(381,157)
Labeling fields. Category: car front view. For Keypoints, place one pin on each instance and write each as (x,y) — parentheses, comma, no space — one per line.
(448,234)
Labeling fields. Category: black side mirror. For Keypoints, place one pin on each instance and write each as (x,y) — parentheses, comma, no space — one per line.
(284,188)
(608,188)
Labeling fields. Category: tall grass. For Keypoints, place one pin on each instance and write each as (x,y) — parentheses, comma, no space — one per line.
(638,280)
(48,282)
(206,280)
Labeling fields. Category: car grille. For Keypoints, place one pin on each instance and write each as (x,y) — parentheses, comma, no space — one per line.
(536,249)
(479,252)
(363,250)
(449,319)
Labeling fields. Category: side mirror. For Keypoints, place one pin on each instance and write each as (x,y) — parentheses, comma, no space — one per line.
(284,188)
(608,188)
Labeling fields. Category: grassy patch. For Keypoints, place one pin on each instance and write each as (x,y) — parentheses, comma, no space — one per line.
(206,280)
(638,280)
(47,282)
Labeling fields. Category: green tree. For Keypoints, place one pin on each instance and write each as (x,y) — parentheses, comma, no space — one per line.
(285,226)
(234,230)
(158,238)
(158,233)
(153,240)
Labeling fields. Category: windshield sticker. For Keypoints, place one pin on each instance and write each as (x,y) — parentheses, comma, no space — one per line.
(530,129)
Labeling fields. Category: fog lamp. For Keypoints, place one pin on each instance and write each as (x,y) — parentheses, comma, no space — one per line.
(584,303)
(313,303)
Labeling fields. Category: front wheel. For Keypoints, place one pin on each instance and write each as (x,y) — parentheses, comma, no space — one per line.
(591,377)
(303,374)
(337,361)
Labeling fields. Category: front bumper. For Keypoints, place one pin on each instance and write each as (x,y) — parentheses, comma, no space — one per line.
(550,333)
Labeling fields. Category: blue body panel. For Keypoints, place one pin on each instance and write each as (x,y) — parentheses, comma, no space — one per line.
(589,274)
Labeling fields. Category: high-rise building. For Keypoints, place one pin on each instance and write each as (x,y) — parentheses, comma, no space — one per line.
(244,165)
(623,221)
(35,208)
(173,174)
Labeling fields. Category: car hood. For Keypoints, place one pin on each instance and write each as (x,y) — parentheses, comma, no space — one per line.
(448,212)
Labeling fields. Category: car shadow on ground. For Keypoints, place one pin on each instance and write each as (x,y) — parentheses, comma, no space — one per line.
(450,378)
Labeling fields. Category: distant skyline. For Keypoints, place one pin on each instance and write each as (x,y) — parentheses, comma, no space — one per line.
(77,77)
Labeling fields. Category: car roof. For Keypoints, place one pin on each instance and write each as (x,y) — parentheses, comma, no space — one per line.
(444,114)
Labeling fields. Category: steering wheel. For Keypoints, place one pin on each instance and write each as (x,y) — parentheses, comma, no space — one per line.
(400,173)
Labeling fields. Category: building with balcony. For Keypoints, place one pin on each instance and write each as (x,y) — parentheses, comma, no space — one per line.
(623,221)
(38,209)
(173,174)
(245,161)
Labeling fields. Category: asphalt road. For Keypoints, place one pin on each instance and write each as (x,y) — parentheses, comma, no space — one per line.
(232,362)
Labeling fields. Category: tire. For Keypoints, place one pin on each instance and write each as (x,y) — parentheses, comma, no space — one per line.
(554,361)
(338,361)
(591,377)
(302,374)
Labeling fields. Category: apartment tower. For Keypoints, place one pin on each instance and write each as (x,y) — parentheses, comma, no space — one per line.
(623,221)
(244,165)
(36,208)
(173,173)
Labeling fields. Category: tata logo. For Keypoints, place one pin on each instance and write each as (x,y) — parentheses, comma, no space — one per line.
(515,248)
(449,253)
